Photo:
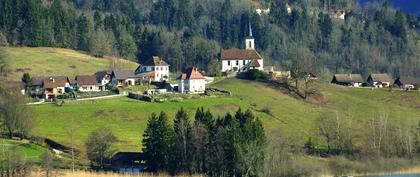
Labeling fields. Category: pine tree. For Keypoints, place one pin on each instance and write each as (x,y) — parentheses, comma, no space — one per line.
(182,142)
(157,143)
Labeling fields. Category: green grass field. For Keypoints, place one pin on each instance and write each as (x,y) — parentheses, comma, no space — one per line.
(291,117)
(55,61)
(126,117)
(29,151)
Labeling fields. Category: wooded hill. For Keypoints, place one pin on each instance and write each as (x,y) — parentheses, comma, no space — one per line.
(375,38)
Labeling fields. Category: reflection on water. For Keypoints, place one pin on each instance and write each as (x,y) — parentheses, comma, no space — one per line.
(405,175)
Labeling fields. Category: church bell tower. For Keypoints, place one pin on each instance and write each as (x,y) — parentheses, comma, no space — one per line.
(249,41)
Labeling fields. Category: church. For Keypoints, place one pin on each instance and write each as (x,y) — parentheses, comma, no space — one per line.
(241,60)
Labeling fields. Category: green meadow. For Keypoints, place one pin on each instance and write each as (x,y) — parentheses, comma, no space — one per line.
(43,61)
(28,150)
(292,118)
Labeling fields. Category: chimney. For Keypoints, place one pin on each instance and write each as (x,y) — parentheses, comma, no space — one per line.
(52,79)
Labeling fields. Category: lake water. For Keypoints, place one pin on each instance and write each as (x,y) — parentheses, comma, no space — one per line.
(405,175)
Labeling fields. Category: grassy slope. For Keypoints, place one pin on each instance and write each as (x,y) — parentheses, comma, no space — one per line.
(55,61)
(294,118)
(358,104)
(29,151)
(126,117)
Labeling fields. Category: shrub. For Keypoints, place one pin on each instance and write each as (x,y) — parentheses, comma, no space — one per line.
(254,74)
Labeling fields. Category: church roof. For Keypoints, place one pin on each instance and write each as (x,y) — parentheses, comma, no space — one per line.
(238,54)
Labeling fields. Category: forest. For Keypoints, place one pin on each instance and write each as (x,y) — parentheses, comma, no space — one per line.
(373,38)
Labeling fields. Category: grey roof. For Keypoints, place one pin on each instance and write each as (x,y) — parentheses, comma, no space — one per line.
(407,80)
(100,75)
(348,78)
(155,61)
(39,81)
(380,78)
(123,74)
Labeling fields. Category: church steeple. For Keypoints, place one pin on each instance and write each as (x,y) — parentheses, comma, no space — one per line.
(249,41)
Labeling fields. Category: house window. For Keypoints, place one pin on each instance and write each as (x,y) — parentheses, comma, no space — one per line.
(243,62)
(237,62)
(153,68)
(249,44)
(229,63)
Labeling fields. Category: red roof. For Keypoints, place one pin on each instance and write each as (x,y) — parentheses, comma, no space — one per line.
(191,73)
(238,54)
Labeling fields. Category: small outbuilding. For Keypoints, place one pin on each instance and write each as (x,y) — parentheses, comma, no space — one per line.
(353,80)
(379,80)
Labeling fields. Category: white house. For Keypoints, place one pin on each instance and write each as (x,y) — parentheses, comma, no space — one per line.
(158,68)
(103,78)
(379,80)
(87,83)
(353,80)
(407,82)
(192,81)
(239,60)
(123,78)
(263,11)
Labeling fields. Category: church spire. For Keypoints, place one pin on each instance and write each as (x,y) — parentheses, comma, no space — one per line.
(249,41)
(250,29)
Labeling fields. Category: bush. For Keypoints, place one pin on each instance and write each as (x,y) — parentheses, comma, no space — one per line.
(254,74)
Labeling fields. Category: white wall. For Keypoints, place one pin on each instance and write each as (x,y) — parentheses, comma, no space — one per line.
(88,88)
(192,86)
(227,67)
(160,72)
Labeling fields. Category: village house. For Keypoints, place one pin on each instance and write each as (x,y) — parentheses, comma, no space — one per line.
(123,78)
(103,78)
(192,81)
(354,80)
(87,83)
(241,60)
(55,85)
(260,11)
(338,14)
(407,83)
(379,80)
(157,68)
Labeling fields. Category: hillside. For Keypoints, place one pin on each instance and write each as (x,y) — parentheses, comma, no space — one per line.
(56,61)
(408,6)
(291,117)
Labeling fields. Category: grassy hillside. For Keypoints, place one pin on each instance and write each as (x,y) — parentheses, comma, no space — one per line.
(55,61)
(126,117)
(29,151)
(291,117)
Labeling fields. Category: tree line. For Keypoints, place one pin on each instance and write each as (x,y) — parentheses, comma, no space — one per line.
(372,38)
(228,146)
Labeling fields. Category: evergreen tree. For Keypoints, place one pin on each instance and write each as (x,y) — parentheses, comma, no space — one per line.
(182,142)
(157,143)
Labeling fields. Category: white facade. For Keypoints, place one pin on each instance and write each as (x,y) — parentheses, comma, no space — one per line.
(263,11)
(161,72)
(192,86)
(381,84)
(88,88)
(238,65)
(124,82)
